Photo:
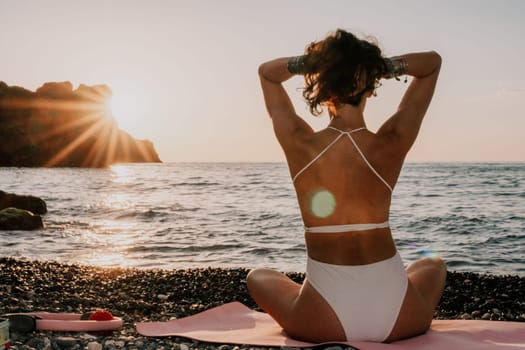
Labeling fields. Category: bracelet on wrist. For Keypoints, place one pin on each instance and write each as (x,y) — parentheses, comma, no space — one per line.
(295,64)
(395,67)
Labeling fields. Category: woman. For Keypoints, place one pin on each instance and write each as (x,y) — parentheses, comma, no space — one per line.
(356,287)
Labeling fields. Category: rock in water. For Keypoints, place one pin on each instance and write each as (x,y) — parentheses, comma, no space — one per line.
(19,219)
(31,203)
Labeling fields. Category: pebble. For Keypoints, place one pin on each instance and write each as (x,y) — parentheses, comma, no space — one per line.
(94,346)
(466,316)
(66,342)
(46,344)
(160,295)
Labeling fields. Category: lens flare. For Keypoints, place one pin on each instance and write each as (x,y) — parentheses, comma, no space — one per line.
(431,254)
(322,204)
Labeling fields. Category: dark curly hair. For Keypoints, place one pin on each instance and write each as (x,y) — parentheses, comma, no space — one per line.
(340,69)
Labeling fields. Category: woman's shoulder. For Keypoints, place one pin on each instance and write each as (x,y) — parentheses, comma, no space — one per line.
(385,155)
(305,146)
(388,138)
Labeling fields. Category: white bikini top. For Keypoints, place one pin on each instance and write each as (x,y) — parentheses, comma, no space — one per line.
(346,227)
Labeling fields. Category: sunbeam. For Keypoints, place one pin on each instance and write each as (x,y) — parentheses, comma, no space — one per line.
(73,145)
(67,127)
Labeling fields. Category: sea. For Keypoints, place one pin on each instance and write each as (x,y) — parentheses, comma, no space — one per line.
(245,215)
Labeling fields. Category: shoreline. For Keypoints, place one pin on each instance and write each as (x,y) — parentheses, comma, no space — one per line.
(139,295)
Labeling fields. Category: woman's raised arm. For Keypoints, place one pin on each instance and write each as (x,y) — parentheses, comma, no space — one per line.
(403,127)
(286,122)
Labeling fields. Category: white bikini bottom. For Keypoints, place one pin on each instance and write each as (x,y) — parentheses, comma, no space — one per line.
(365,298)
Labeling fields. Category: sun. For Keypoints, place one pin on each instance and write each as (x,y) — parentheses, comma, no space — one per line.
(126,106)
(115,107)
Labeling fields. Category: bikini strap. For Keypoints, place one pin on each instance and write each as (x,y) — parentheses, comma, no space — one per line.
(368,163)
(347,133)
(317,157)
(341,133)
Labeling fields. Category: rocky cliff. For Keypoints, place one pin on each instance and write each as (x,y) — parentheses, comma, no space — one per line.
(59,126)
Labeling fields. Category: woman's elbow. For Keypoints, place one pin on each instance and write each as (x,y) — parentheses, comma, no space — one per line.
(262,69)
(436,57)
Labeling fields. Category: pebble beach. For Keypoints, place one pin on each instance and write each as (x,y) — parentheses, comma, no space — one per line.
(139,295)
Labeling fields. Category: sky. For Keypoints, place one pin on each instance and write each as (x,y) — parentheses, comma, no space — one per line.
(184,73)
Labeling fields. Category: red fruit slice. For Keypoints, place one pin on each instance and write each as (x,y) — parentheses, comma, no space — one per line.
(100,315)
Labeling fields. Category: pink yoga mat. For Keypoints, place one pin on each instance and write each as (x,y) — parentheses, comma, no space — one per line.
(234,323)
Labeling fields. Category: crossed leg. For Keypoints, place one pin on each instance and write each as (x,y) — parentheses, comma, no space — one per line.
(299,309)
(426,280)
(428,276)
(304,314)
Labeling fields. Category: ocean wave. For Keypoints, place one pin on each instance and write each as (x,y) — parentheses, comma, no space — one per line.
(209,247)
(501,238)
(170,215)
(137,214)
(198,184)
(150,248)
